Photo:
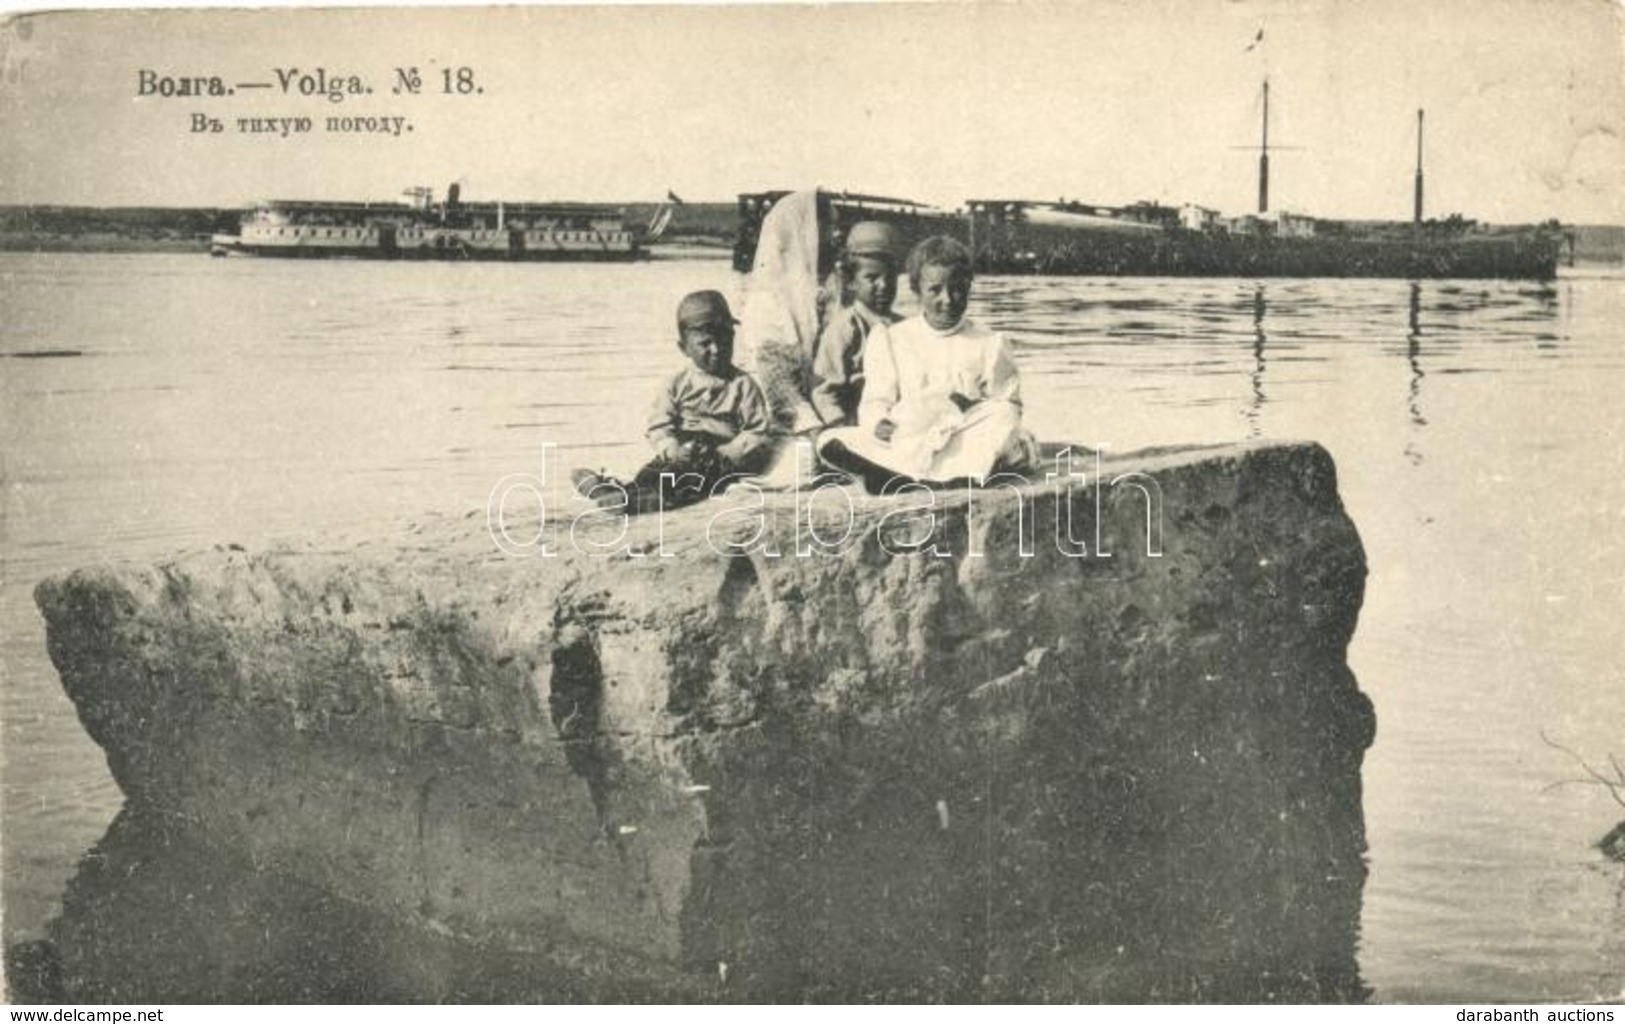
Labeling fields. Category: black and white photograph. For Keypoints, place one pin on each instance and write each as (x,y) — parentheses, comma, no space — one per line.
(930,502)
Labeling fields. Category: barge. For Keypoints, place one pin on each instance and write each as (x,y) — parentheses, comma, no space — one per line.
(1022,236)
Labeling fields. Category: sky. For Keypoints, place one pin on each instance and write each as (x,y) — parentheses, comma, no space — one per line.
(941,102)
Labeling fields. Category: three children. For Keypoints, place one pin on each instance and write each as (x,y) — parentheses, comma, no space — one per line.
(933,399)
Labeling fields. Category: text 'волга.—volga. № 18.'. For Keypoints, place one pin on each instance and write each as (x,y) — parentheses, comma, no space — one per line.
(300,84)
(333,86)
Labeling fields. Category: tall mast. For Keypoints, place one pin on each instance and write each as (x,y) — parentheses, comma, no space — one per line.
(1417,217)
(1264,156)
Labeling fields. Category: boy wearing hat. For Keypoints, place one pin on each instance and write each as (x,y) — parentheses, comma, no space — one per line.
(709,423)
(869,276)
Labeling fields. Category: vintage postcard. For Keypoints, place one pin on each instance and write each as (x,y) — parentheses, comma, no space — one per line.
(926,502)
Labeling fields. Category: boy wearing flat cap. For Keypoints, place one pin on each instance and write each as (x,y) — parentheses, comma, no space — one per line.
(869,276)
(709,423)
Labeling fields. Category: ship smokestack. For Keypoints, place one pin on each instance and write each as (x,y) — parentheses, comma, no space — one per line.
(1417,215)
(1264,156)
(454,194)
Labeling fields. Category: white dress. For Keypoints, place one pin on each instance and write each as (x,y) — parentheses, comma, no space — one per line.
(911,369)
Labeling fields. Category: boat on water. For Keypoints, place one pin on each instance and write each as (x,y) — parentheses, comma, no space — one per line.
(837,212)
(1024,236)
(423,229)
(1019,236)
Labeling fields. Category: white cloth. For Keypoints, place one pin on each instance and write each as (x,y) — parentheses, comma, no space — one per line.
(912,370)
(911,363)
(778,327)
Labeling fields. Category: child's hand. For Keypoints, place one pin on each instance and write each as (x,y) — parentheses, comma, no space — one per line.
(885,429)
(671,449)
(707,459)
(699,423)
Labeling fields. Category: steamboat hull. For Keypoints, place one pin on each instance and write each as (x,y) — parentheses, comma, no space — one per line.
(452,231)
(1019,237)
(1530,256)
(449,254)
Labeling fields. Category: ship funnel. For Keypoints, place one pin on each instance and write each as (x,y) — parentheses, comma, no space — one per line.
(1264,156)
(454,194)
(1417,214)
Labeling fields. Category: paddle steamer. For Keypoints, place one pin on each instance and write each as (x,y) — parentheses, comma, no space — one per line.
(424,229)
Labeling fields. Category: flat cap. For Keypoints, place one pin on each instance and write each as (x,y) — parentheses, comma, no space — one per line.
(703,309)
(872,238)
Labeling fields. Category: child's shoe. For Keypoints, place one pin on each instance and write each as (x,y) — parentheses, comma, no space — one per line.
(598,488)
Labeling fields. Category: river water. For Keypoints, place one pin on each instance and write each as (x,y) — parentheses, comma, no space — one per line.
(158,403)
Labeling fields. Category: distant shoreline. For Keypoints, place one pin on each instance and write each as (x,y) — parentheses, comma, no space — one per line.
(24,242)
(674,249)
(30,242)
(698,230)
(188,229)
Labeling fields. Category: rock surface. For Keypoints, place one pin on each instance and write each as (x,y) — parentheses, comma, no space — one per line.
(675,771)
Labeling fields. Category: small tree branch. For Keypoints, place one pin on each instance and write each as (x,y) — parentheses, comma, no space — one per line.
(1616,789)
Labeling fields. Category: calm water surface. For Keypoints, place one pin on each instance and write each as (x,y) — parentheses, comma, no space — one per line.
(158,403)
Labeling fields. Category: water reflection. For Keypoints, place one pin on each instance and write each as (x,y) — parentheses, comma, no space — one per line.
(1413,352)
(1613,943)
(1180,344)
(1413,355)
(1205,910)
(153,917)
(1256,408)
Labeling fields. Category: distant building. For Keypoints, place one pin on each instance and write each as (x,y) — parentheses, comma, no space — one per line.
(1290,225)
(1198,218)
(1247,225)
(1274,224)
(1146,212)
